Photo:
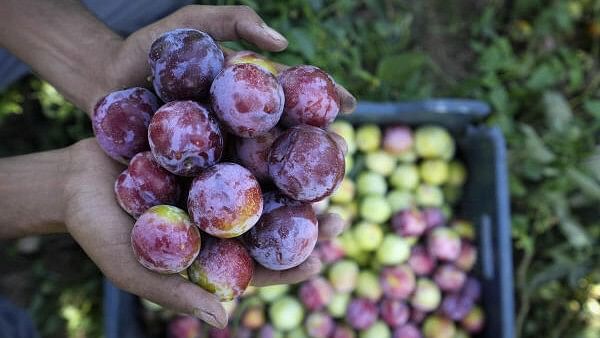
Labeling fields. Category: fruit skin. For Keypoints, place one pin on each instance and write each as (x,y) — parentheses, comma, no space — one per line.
(184,63)
(253,153)
(394,312)
(284,237)
(145,184)
(474,320)
(225,200)
(371,183)
(368,285)
(253,318)
(310,96)
(420,261)
(407,331)
(297,333)
(120,121)
(467,257)
(315,293)
(344,193)
(449,278)
(185,138)
(427,295)
(409,222)
(272,292)
(247,56)
(393,250)
(267,331)
(471,289)
(368,137)
(343,275)
(457,173)
(306,164)
(436,326)
(184,327)
(464,229)
(434,217)
(377,330)
(400,200)
(338,305)
(361,313)
(397,282)
(164,239)
(330,250)
(429,196)
(375,208)
(397,139)
(286,313)
(405,177)
(456,306)
(219,333)
(343,331)
(346,131)
(223,268)
(247,99)
(380,162)
(368,235)
(319,325)
(434,142)
(444,244)
(434,172)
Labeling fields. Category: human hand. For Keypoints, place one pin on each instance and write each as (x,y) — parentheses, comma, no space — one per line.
(128,67)
(94,218)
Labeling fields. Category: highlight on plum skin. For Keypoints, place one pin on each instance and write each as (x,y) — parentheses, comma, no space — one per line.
(253,153)
(247,99)
(225,200)
(306,164)
(184,63)
(223,267)
(145,184)
(284,236)
(185,138)
(164,239)
(120,122)
(310,96)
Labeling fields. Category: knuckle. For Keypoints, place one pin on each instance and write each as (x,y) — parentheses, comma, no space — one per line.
(244,11)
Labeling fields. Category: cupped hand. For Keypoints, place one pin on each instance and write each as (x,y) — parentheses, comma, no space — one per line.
(129,67)
(103,230)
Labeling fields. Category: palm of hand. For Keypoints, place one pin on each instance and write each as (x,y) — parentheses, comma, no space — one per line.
(103,230)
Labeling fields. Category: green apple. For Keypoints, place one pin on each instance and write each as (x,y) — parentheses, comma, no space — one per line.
(405,177)
(380,162)
(393,250)
(434,172)
(286,313)
(344,193)
(400,200)
(429,196)
(346,131)
(272,292)
(457,173)
(375,208)
(343,275)
(368,235)
(368,285)
(338,304)
(371,183)
(378,330)
(434,142)
(368,137)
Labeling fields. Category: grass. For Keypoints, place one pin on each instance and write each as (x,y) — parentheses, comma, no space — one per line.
(536,62)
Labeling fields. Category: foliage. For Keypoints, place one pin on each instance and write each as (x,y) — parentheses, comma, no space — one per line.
(536,62)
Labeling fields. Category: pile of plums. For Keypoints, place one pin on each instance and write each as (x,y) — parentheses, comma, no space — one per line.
(224,160)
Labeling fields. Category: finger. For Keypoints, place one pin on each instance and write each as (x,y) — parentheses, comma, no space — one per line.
(341,143)
(176,293)
(348,101)
(310,267)
(227,23)
(330,226)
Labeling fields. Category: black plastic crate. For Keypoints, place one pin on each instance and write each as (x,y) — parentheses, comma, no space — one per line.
(485,202)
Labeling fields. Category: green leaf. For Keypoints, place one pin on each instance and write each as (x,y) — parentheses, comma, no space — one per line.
(535,147)
(557,110)
(396,69)
(592,107)
(302,42)
(587,184)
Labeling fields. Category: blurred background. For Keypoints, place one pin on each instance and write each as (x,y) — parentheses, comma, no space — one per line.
(536,62)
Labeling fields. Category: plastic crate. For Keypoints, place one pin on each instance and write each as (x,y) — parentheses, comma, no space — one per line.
(485,202)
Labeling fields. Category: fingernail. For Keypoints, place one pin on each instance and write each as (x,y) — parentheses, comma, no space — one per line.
(210,318)
(272,33)
(349,104)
